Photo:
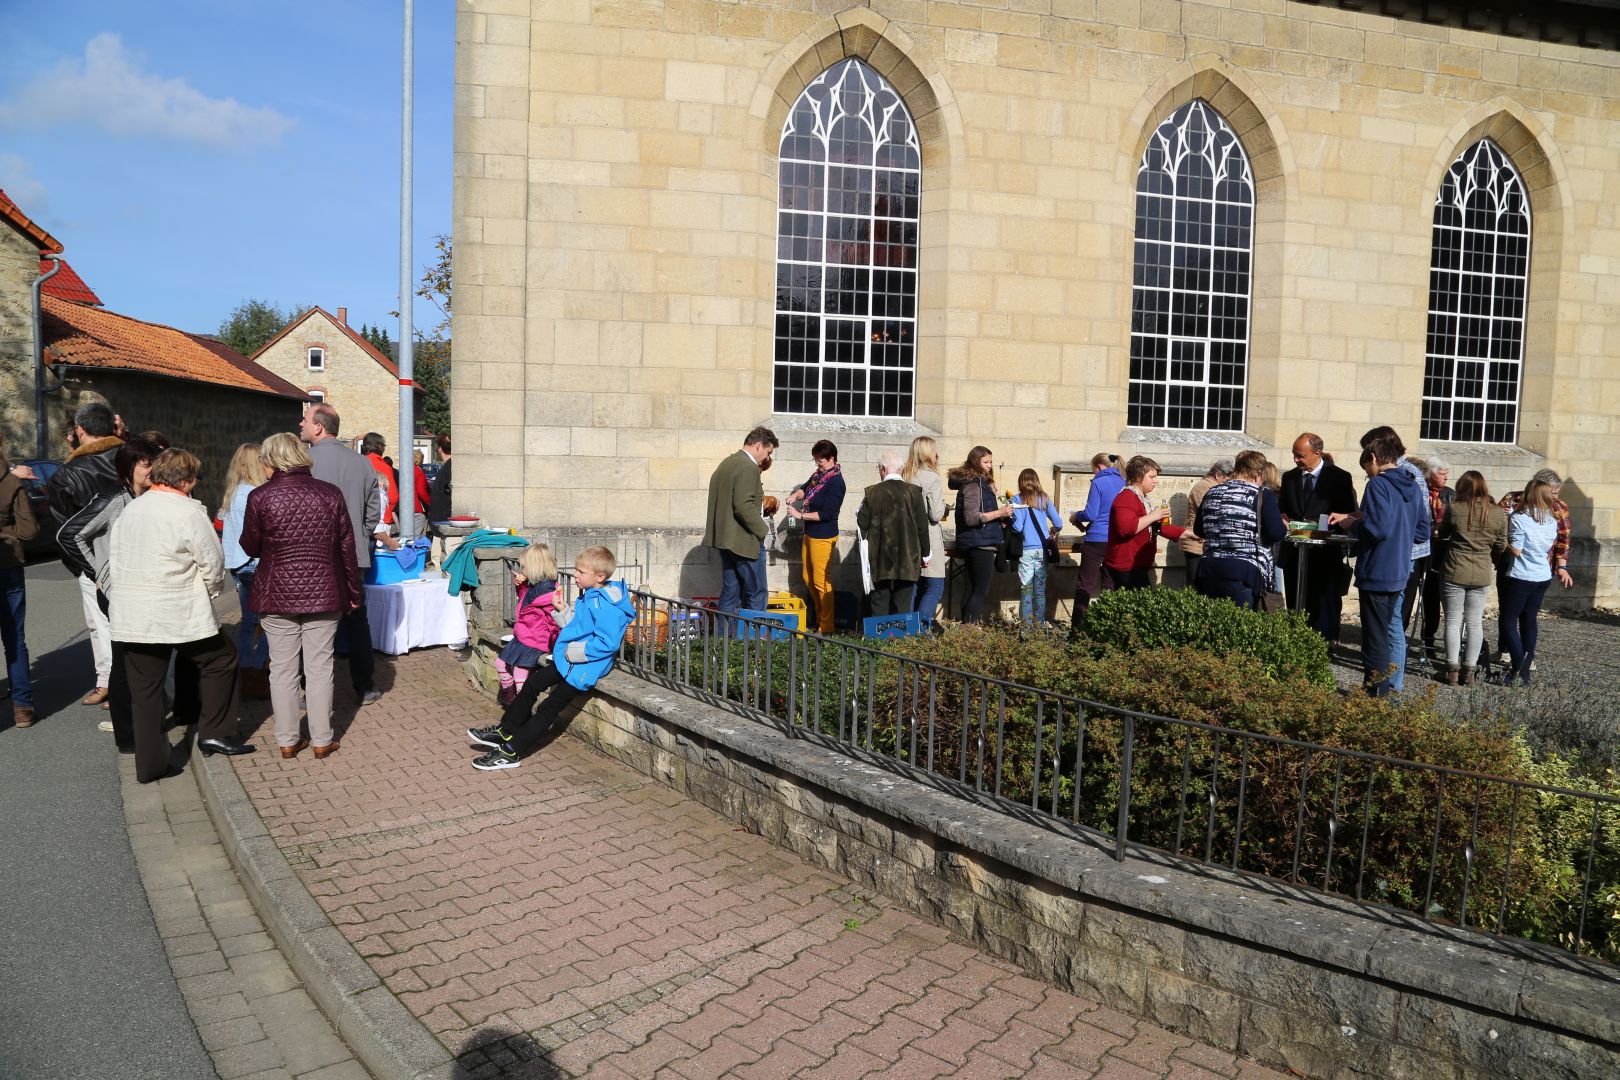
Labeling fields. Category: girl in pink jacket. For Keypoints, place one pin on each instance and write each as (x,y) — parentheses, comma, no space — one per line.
(535,628)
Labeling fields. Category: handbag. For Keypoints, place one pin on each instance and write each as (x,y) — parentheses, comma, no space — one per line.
(1011,548)
(1051,546)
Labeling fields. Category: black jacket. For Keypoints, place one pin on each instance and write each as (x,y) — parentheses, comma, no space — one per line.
(1335,493)
(91,471)
(439,494)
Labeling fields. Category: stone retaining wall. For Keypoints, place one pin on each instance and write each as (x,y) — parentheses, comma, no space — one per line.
(1289,978)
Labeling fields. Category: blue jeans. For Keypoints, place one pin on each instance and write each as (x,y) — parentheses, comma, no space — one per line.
(1397,644)
(926,603)
(1237,590)
(742,583)
(1521,603)
(251,645)
(13,623)
(1382,641)
(1032,586)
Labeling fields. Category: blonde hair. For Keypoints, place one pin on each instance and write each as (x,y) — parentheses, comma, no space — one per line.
(175,467)
(283,451)
(245,468)
(538,563)
(924,454)
(1270,477)
(1030,490)
(598,560)
(1537,501)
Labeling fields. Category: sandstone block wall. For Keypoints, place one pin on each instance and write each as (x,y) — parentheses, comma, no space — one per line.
(361,390)
(19,266)
(615,235)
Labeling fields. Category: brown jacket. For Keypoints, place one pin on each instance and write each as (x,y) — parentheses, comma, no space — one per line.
(1469,547)
(894,520)
(17,522)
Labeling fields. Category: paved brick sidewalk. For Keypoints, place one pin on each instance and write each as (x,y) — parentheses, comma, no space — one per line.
(252,1013)
(574,917)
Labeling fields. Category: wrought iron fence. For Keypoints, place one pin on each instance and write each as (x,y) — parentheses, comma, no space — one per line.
(1451,846)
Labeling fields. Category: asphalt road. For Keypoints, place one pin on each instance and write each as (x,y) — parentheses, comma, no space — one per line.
(85,987)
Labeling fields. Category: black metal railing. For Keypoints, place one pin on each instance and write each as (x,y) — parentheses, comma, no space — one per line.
(1490,853)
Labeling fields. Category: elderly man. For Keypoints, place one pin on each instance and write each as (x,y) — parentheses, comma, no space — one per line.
(735,525)
(894,520)
(357,480)
(1313,487)
(89,472)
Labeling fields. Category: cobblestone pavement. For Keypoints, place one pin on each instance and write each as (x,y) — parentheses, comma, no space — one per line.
(574,917)
(252,1013)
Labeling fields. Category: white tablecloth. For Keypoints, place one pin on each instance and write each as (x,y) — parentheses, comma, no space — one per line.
(414,614)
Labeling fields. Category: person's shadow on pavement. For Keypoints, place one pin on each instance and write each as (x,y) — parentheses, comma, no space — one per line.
(496,1051)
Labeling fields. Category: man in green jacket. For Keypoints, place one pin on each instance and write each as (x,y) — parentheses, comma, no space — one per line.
(894,521)
(735,526)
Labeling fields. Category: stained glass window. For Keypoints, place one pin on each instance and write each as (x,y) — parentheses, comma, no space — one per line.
(1190,284)
(846,249)
(1477,282)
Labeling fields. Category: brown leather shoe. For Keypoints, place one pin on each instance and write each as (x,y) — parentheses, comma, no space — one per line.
(292,751)
(327,750)
(95,697)
(22,716)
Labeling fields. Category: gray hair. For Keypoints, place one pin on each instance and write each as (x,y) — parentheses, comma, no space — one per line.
(1435,465)
(1547,476)
(96,418)
(892,459)
(1222,467)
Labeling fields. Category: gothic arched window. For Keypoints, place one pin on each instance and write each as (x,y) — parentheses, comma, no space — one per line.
(1190,286)
(1477,281)
(846,249)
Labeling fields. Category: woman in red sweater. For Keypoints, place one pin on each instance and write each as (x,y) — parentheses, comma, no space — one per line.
(1134,525)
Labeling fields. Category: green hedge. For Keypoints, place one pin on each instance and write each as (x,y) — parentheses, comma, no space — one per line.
(1283,642)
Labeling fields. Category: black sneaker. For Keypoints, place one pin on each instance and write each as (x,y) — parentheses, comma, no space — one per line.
(491,737)
(496,759)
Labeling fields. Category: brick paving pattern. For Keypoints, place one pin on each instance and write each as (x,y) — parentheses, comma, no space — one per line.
(575,918)
(251,1011)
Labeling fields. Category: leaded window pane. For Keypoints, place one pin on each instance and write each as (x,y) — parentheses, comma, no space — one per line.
(846,247)
(1190,283)
(1478,279)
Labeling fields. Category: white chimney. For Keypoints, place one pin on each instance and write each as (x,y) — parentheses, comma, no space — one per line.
(343,316)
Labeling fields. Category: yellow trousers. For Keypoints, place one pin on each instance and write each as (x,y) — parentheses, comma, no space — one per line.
(817,554)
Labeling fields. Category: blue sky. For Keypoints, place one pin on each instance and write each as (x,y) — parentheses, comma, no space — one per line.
(191,154)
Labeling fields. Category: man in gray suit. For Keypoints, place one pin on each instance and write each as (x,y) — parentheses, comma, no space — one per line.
(354,476)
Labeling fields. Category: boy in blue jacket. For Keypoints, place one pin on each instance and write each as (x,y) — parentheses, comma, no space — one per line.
(1384,530)
(583,653)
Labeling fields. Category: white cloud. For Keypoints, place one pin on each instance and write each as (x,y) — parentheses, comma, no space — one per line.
(18,181)
(109,89)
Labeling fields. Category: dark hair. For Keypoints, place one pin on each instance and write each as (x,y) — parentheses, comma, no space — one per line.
(1384,443)
(761,435)
(1138,467)
(156,438)
(373,443)
(1473,492)
(96,418)
(132,453)
(969,469)
(824,449)
(444,444)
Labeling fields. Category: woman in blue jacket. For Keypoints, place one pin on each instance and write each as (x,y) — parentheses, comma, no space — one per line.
(1037,520)
(1106,484)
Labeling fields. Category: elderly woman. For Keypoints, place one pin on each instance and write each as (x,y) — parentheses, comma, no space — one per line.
(815,504)
(1436,476)
(1239,521)
(17,525)
(978,527)
(165,569)
(1134,525)
(298,528)
(243,475)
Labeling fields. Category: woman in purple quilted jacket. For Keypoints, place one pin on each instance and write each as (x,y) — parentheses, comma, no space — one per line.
(298,528)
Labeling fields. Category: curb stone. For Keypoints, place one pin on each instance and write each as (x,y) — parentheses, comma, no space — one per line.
(388,1040)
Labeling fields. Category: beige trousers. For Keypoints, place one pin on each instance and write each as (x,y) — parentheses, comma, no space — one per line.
(289,637)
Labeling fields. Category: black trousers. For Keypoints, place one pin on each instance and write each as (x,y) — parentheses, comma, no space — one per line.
(145,666)
(981,567)
(362,664)
(892,597)
(524,724)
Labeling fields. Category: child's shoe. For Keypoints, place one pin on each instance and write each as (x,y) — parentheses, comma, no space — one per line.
(491,737)
(506,694)
(501,758)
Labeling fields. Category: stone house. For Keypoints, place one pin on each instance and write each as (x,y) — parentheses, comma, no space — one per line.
(202,394)
(328,359)
(1169,227)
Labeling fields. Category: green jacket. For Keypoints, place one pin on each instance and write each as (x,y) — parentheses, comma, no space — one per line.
(734,523)
(894,520)
(1469,550)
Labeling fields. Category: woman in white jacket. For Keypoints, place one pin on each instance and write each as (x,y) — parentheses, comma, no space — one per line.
(165,568)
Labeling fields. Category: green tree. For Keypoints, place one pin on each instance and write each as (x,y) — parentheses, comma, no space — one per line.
(431,354)
(251,324)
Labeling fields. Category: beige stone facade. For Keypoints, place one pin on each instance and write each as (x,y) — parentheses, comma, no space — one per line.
(615,232)
(19,266)
(355,379)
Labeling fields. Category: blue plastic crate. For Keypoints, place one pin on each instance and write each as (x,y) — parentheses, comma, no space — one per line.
(892,626)
(783,623)
(393,567)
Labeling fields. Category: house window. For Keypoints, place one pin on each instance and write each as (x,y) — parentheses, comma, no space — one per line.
(1477,281)
(316,358)
(316,396)
(1190,283)
(846,249)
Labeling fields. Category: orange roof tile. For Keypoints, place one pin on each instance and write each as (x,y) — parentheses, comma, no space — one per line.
(94,337)
(67,284)
(353,335)
(12,214)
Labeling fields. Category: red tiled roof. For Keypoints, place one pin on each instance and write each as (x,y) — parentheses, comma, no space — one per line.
(12,215)
(67,284)
(94,337)
(353,335)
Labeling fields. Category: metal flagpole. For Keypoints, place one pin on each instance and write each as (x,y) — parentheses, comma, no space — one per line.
(407,395)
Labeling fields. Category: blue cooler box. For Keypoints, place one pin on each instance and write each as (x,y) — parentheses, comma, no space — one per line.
(392,567)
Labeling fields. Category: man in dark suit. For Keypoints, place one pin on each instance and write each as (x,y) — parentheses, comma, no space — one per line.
(1312,488)
(894,520)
